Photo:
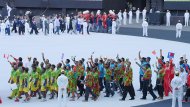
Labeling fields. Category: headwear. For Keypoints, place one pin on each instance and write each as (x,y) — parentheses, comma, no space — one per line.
(62,71)
(177,73)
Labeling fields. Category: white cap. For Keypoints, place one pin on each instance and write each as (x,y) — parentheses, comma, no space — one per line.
(176,72)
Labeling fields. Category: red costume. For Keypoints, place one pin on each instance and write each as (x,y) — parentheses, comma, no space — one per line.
(98,16)
(168,76)
(188,80)
(104,19)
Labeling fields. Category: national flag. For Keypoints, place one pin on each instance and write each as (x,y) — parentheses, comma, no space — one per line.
(154,52)
(62,56)
(6,56)
(171,55)
(1,101)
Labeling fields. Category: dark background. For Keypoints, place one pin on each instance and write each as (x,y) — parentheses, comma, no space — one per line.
(177,5)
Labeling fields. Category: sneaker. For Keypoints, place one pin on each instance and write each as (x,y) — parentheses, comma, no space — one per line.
(112,94)
(106,96)
(43,100)
(17,100)
(155,98)
(143,98)
(39,97)
(51,98)
(139,90)
(72,99)
(121,100)
(10,98)
(95,98)
(84,100)
(132,99)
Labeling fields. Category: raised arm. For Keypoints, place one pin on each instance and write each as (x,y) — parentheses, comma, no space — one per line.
(161,53)
(43,58)
(14,58)
(140,66)
(140,58)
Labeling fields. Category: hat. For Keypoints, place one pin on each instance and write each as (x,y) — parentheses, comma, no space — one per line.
(177,73)
(62,71)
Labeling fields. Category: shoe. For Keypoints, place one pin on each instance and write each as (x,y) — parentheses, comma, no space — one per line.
(84,100)
(10,98)
(95,98)
(106,96)
(17,100)
(43,100)
(112,94)
(72,99)
(139,90)
(132,99)
(121,99)
(143,98)
(154,98)
(39,97)
(51,98)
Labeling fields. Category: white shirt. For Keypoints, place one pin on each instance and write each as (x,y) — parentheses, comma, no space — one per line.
(168,14)
(67,19)
(120,15)
(125,14)
(29,66)
(183,76)
(62,81)
(176,83)
(7,23)
(186,15)
(57,23)
(179,26)
(144,12)
(50,25)
(145,24)
(137,12)
(113,24)
(80,21)
(130,13)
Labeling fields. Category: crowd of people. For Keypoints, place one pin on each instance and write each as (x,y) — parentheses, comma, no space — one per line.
(100,74)
(82,22)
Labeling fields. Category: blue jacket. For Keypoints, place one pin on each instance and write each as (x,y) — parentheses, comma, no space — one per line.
(101,69)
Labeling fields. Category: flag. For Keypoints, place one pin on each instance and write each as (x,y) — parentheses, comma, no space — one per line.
(171,55)
(1,101)
(62,56)
(154,52)
(6,56)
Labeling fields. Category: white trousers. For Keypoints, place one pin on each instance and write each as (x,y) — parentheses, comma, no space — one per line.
(177,95)
(167,21)
(50,31)
(2,32)
(137,19)
(84,30)
(178,33)
(62,101)
(145,31)
(144,16)
(186,22)
(27,31)
(113,30)
(130,19)
(125,20)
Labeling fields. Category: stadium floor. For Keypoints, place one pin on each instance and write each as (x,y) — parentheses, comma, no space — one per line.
(165,103)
